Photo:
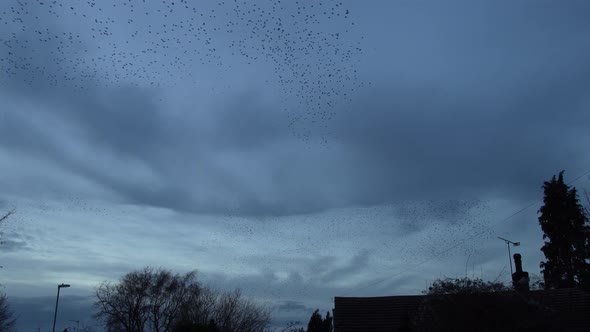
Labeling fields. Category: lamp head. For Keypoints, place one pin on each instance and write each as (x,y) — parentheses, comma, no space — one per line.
(63,286)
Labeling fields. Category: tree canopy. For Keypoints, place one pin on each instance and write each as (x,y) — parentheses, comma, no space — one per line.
(7,319)
(158,300)
(449,286)
(319,324)
(464,304)
(567,236)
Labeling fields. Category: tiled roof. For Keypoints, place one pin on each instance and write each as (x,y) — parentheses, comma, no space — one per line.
(390,313)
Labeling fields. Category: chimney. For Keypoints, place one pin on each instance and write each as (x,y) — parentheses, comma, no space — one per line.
(518,263)
(520,278)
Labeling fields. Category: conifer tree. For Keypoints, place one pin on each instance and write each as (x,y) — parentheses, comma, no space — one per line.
(319,324)
(566,234)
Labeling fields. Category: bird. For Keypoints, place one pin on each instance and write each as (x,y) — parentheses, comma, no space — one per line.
(314,69)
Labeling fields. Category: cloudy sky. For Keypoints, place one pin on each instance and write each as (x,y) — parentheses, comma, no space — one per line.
(296,150)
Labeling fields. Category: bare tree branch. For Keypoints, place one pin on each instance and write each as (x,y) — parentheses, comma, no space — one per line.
(586,207)
(7,319)
(8,214)
(157,300)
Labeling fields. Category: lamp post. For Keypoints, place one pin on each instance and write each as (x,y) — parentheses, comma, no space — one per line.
(57,301)
(508,243)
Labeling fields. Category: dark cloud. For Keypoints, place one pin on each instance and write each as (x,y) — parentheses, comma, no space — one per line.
(419,143)
(293,306)
(399,145)
(11,242)
(402,139)
(358,263)
(441,109)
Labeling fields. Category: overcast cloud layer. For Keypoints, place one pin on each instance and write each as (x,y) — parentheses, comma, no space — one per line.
(437,122)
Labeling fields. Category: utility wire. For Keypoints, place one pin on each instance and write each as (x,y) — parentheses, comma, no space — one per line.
(460,242)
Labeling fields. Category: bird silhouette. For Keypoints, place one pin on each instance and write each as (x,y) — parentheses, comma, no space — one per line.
(162,43)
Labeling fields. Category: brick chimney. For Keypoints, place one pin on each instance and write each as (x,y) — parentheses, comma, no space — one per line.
(520,278)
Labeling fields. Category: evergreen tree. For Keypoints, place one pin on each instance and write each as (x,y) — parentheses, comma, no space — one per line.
(566,236)
(319,324)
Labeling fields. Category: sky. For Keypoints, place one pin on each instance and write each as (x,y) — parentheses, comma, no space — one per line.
(297,150)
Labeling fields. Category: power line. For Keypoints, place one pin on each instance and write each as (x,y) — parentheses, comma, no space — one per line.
(460,242)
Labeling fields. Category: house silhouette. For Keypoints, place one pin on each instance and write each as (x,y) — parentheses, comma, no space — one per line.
(539,310)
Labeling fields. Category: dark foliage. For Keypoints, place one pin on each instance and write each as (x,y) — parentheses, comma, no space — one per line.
(159,301)
(567,237)
(195,327)
(7,319)
(451,286)
(475,305)
(319,324)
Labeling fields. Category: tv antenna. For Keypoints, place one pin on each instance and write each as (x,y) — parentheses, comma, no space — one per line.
(508,243)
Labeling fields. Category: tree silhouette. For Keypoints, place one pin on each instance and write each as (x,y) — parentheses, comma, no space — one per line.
(7,319)
(235,313)
(587,205)
(465,304)
(196,327)
(319,324)
(3,220)
(6,215)
(159,301)
(566,236)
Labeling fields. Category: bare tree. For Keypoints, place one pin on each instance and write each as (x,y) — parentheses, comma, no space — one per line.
(7,319)
(157,300)
(3,221)
(124,305)
(199,307)
(8,214)
(234,313)
(167,295)
(205,309)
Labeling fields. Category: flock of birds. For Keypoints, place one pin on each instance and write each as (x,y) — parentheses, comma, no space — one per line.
(309,45)
(78,45)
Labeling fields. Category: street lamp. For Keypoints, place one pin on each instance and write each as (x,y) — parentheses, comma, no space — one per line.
(508,243)
(57,301)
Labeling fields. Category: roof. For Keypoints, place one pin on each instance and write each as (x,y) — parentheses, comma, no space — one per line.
(571,304)
(390,313)
(385,313)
